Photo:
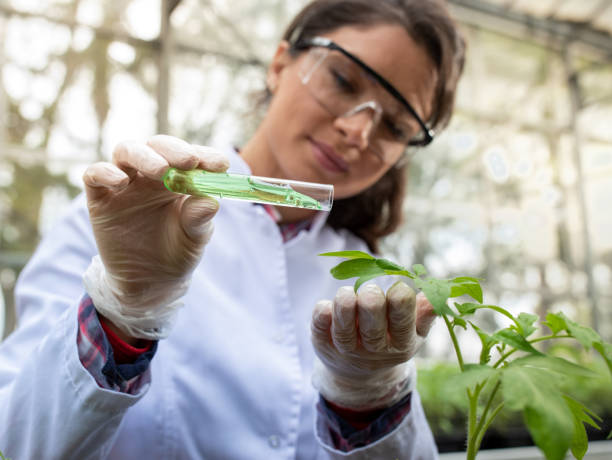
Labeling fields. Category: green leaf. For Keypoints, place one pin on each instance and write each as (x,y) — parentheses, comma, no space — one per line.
(546,415)
(419,270)
(554,364)
(388,265)
(356,268)
(585,414)
(581,415)
(551,433)
(517,323)
(501,310)
(523,386)
(348,254)
(459,322)
(585,335)
(467,308)
(466,288)
(437,292)
(463,279)
(472,375)
(365,278)
(391,268)
(514,339)
(487,341)
(605,350)
(525,324)
(555,322)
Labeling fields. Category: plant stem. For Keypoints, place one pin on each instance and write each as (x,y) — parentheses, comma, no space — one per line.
(485,427)
(539,339)
(486,409)
(484,423)
(455,342)
(472,412)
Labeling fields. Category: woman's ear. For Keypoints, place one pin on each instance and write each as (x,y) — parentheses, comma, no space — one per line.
(280,60)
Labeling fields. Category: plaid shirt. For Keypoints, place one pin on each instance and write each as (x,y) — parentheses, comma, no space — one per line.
(97,355)
(348,429)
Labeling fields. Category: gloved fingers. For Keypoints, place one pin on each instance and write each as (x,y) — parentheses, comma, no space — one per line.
(344,316)
(133,157)
(101,177)
(425,315)
(196,217)
(321,323)
(177,152)
(401,306)
(211,159)
(372,311)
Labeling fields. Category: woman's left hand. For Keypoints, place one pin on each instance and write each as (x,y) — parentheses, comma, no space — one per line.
(364,341)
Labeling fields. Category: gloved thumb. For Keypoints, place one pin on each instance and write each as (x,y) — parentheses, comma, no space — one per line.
(425,315)
(196,217)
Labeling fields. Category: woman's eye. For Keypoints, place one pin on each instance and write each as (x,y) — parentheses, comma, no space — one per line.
(396,130)
(342,83)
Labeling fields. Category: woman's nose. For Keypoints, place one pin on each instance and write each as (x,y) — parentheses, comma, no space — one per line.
(357,127)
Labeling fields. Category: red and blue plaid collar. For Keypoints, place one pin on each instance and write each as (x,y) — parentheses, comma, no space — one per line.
(289,230)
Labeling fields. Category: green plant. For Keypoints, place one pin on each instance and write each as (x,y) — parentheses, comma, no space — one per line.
(511,372)
(445,404)
(2,457)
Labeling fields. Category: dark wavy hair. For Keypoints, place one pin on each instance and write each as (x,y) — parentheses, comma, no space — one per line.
(377,211)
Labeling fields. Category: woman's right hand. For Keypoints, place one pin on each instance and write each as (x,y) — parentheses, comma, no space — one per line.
(149,239)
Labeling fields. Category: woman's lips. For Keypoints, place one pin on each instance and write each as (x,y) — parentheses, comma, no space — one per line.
(328,158)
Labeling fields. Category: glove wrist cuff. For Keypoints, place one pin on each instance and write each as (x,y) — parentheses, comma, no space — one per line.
(362,393)
(152,322)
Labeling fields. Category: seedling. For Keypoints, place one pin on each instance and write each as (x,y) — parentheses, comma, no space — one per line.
(513,371)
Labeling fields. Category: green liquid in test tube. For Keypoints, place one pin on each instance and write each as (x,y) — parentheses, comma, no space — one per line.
(280,192)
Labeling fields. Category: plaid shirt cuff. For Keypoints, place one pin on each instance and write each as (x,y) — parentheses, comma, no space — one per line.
(346,437)
(96,355)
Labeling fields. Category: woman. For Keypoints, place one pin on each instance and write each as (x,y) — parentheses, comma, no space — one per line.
(127,373)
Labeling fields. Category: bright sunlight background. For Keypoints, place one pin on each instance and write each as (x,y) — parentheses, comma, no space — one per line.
(516,191)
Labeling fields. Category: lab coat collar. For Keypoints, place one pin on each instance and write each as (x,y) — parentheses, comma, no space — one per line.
(237,163)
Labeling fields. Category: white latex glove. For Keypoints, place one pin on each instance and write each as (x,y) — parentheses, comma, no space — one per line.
(149,239)
(364,343)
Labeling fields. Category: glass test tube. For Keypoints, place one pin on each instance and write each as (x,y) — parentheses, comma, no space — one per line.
(280,192)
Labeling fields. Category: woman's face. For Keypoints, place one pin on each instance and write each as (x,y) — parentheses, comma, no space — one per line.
(305,141)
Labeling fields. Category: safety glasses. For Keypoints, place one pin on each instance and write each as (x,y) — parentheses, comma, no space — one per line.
(345,86)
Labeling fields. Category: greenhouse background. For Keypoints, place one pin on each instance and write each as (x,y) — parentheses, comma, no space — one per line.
(517,191)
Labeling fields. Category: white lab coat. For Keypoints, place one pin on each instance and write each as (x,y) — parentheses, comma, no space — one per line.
(232,381)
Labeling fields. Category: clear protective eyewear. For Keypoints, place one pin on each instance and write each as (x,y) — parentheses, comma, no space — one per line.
(345,86)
